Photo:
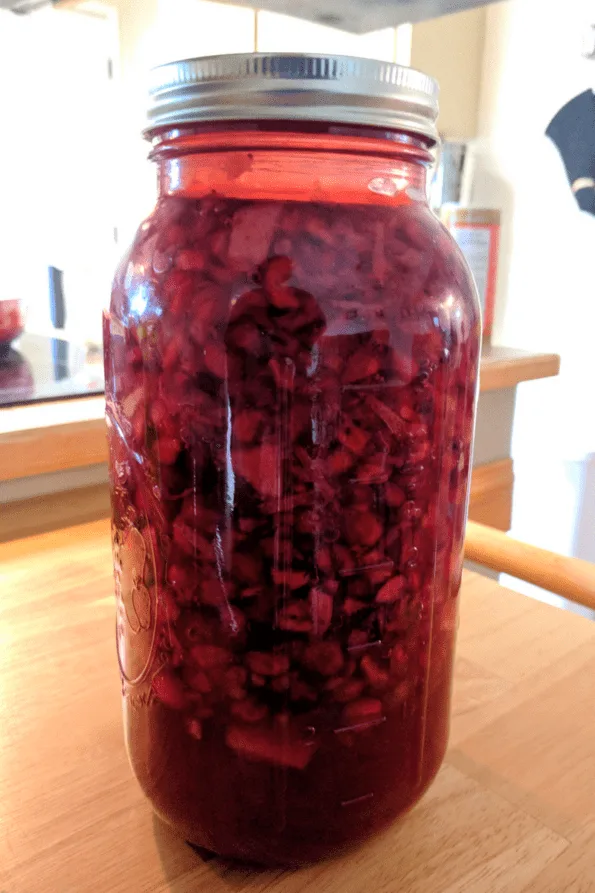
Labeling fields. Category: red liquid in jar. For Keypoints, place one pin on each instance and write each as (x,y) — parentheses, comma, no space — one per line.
(290,392)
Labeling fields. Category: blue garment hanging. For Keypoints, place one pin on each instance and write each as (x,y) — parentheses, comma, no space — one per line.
(572,130)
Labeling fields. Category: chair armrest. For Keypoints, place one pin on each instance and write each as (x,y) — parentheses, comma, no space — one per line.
(571,578)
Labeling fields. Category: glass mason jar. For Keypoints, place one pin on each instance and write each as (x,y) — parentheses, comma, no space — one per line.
(291,363)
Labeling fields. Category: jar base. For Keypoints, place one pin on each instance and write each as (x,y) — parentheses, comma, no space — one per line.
(303,854)
(204,854)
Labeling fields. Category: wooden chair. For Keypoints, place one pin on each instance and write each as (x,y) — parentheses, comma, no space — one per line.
(572,578)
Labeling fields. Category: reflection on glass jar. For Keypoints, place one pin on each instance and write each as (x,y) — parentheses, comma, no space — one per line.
(291,365)
(12,321)
(16,378)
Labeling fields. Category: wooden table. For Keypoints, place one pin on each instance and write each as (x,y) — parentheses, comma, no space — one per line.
(512,810)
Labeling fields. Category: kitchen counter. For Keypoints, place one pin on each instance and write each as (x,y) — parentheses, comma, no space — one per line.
(41,367)
(505,367)
(512,809)
(66,434)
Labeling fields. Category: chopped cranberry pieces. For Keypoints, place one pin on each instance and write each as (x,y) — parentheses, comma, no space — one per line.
(249,710)
(252,229)
(190,260)
(325,658)
(271,745)
(321,604)
(290,426)
(169,689)
(391,591)
(348,690)
(295,617)
(267,664)
(376,676)
(198,680)
(362,711)
(194,728)
(209,657)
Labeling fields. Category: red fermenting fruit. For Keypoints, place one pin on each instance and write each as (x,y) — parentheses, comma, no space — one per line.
(290,422)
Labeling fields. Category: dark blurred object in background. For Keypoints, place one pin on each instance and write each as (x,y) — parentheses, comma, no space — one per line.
(448,179)
(16,378)
(22,7)
(12,322)
(35,372)
(57,305)
(572,131)
(58,317)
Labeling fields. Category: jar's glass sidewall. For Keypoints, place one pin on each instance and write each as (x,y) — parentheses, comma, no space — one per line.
(291,369)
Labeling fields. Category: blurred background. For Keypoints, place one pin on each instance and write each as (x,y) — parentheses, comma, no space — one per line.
(76,183)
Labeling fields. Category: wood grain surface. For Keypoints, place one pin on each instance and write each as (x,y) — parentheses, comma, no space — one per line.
(54,436)
(512,810)
(490,496)
(572,578)
(27,517)
(505,367)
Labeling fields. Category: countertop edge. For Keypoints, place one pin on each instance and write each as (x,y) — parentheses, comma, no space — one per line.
(499,371)
(60,434)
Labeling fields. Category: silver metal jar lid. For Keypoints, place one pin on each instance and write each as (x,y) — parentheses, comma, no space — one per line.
(260,86)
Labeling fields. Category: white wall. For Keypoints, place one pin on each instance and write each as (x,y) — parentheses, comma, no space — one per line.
(546,290)
(158,31)
(152,32)
(532,66)
(55,155)
(75,165)
(450,48)
(283,34)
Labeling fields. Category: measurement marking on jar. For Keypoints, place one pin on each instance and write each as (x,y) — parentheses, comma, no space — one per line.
(375,644)
(375,386)
(360,726)
(357,800)
(387,565)
(371,479)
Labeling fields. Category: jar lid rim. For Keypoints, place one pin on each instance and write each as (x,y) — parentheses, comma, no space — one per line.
(289,86)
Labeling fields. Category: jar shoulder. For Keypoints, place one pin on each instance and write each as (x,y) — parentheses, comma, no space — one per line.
(382,252)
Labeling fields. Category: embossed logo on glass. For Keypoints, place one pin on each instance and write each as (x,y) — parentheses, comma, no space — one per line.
(136,618)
